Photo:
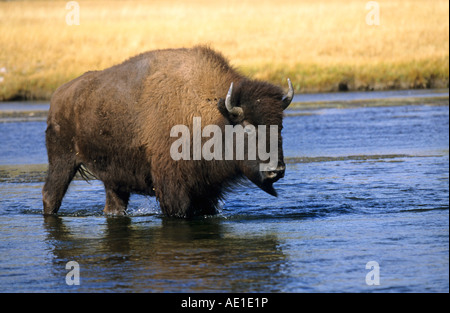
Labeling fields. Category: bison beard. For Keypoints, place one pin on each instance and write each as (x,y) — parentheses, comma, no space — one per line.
(116,125)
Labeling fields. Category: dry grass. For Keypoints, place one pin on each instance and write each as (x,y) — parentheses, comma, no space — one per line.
(319,44)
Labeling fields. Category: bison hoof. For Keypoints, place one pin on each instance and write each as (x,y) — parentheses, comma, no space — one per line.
(114,211)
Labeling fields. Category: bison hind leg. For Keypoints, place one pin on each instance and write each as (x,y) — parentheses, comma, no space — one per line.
(116,202)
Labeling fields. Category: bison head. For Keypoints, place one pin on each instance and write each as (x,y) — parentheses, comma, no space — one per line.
(257,108)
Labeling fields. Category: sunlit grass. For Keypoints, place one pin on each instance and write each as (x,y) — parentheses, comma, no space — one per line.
(320,45)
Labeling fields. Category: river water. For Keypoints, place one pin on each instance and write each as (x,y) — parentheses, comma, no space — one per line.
(362,184)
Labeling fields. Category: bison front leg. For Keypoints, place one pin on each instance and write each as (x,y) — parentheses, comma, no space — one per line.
(62,168)
(116,202)
(60,173)
(174,202)
(182,204)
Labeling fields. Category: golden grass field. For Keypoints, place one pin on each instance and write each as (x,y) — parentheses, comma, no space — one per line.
(320,45)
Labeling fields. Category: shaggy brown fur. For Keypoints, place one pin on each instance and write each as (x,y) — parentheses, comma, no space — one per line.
(116,123)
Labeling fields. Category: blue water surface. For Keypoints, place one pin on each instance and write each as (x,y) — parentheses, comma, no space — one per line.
(362,184)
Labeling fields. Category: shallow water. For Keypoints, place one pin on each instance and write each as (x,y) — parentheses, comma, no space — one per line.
(362,184)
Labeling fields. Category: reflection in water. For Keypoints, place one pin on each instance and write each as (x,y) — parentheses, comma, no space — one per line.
(169,256)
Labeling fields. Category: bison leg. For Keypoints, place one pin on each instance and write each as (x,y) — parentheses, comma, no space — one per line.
(116,202)
(60,174)
(62,167)
(181,204)
(173,202)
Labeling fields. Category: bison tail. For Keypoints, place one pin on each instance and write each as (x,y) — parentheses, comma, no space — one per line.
(85,173)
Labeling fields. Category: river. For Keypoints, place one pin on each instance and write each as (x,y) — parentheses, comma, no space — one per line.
(364,207)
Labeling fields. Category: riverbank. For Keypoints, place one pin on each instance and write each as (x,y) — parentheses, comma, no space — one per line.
(322,46)
(17,111)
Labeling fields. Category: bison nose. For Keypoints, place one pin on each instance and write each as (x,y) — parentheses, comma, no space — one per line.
(277,173)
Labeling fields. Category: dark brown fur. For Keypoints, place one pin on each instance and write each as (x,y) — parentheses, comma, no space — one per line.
(116,123)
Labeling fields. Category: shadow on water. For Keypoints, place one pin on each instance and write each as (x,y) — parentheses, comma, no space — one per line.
(165,255)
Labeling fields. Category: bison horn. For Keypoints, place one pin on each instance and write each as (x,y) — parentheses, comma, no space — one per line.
(235,111)
(287,99)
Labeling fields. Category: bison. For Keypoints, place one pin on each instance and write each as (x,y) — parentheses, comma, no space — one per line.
(116,125)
